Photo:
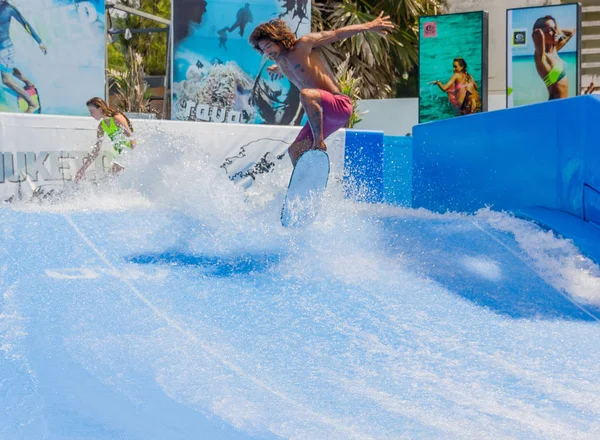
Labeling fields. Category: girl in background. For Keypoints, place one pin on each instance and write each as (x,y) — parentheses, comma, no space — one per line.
(118,128)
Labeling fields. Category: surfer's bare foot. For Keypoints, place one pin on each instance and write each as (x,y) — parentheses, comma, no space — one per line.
(320,146)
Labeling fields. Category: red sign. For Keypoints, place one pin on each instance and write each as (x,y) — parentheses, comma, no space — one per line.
(430,29)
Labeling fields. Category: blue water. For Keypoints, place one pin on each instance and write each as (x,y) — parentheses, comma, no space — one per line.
(186,311)
(205,46)
(529,88)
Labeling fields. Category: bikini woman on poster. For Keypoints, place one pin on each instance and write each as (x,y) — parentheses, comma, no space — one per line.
(462,89)
(549,40)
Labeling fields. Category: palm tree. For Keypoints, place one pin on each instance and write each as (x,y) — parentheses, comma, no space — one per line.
(152,46)
(131,89)
(379,62)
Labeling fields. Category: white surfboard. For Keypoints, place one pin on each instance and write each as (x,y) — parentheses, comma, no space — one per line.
(307,184)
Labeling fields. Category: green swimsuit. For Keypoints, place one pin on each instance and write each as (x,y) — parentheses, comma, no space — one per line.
(558,72)
(116,135)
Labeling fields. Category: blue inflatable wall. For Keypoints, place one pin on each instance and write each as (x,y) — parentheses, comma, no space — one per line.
(363,165)
(545,155)
(539,161)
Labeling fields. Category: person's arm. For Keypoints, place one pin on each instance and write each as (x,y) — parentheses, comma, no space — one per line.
(445,87)
(89,159)
(17,16)
(380,25)
(567,35)
(539,42)
(540,54)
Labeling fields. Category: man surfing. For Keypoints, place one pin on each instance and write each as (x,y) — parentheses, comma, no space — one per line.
(7,52)
(326,107)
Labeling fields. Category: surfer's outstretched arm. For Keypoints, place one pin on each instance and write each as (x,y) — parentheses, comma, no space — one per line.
(381,25)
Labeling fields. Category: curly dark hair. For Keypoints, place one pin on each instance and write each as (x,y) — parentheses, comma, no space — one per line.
(276,31)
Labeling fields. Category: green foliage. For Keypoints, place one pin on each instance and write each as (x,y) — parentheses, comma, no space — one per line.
(350,86)
(130,86)
(380,62)
(116,59)
(407,86)
(152,47)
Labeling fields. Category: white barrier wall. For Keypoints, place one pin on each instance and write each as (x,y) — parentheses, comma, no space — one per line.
(395,117)
(41,150)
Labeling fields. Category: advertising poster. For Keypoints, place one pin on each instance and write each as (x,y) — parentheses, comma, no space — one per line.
(217,74)
(51,55)
(542,57)
(452,65)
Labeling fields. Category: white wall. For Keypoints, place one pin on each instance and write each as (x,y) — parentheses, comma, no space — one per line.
(47,150)
(397,117)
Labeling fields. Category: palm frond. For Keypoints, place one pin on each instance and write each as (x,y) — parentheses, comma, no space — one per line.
(380,62)
(131,88)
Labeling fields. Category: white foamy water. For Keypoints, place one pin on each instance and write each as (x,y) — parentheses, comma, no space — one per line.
(171,302)
(556,260)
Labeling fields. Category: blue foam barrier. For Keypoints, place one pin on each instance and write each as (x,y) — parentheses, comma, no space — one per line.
(397,170)
(363,165)
(535,155)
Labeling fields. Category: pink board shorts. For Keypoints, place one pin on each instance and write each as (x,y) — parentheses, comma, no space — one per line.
(337,109)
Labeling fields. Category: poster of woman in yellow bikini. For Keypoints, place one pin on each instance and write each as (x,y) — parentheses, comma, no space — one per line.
(543,52)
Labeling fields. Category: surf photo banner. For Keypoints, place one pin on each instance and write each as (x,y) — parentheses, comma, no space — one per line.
(217,74)
(543,53)
(51,55)
(452,65)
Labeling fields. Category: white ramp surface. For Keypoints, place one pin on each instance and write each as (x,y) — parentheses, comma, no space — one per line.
(373,323)
(307,184)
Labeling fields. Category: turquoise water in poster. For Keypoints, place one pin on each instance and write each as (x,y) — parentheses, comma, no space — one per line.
(457,35)
(58,47)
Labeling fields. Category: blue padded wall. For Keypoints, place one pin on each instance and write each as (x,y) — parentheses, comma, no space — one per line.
(591,159)
(536,155)
(397,170)
(363,165)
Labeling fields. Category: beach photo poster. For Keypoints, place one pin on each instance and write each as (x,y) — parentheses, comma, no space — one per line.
(452,65)
(542,53)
